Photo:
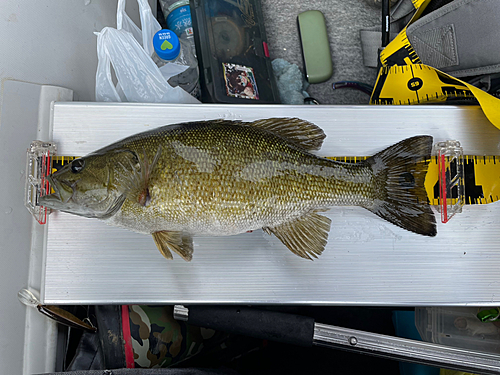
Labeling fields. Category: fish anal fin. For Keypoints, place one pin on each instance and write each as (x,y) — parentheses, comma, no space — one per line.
(398,181)
(297,131)
(178,242)
(305,236)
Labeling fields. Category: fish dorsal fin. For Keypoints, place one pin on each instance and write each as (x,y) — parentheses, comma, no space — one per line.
(305,236)
(300,132)
(178,242)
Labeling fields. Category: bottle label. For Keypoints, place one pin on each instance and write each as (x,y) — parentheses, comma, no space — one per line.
(179,21)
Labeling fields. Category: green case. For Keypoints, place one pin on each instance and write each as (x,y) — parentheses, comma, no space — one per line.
(315,46)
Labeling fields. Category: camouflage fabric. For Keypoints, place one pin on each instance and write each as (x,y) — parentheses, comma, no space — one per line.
(158,340)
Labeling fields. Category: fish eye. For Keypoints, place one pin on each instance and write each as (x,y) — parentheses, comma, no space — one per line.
(77,165)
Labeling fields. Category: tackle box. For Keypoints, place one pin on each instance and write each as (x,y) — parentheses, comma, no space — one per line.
(232,51)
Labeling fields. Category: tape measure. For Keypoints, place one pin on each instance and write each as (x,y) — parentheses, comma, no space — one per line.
(60,161)
(403,79)
(417,3)
(452,179)
(481,181)
(481,178)
(417,84)
(400,51)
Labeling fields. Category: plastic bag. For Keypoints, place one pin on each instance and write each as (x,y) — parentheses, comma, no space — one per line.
(128,49)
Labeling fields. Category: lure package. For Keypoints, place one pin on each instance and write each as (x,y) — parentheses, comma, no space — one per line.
(232,51)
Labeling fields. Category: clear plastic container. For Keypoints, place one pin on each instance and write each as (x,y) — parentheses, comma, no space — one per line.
(171,49)
(459,327)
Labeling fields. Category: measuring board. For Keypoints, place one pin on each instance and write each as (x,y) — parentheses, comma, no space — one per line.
(366,261)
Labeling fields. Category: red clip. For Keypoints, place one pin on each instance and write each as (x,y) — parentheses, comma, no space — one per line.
(442,190)
(266,49)
(44,188)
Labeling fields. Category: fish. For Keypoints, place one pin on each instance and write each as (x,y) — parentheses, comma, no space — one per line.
(223,177)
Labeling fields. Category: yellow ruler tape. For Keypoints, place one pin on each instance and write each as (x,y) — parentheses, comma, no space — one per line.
(417,84)
(403,79)
(399,51)
(420,84)
(417,3)
(481,180)
(59,161)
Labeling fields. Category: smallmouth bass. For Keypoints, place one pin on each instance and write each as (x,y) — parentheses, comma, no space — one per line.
(224,177)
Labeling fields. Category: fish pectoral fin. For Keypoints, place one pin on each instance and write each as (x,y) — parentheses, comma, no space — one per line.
(305,236)
(138,170)
(297,131)
(178,242)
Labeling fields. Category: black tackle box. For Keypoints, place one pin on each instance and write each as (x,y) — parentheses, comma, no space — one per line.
(232,51)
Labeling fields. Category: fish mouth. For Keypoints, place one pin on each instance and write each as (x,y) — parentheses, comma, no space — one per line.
(63,192)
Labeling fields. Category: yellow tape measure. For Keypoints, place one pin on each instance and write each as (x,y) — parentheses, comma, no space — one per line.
(403,79)
(400,51)
(481,180)
(59,161)
(417,84)
(417,3)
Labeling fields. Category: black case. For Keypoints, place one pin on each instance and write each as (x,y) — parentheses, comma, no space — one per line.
(231,46)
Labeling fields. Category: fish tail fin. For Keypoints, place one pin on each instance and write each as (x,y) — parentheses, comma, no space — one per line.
(399,192)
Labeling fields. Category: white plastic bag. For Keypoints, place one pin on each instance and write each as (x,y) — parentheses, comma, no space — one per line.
(129,50)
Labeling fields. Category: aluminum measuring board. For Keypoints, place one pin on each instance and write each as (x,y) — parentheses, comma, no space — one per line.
(367,260)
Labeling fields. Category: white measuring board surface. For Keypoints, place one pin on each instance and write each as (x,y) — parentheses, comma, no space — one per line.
(367,260)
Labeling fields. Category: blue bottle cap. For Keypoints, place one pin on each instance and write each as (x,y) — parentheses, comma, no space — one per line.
(166,44)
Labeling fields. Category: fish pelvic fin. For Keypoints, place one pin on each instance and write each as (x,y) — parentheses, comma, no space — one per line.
(398,182)
(305,236)
(178,242)
(297,131)
(136,183)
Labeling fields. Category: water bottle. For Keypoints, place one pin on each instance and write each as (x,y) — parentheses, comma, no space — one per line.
(178,18)
(170,49)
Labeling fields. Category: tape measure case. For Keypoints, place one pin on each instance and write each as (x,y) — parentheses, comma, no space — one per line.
(231,46)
